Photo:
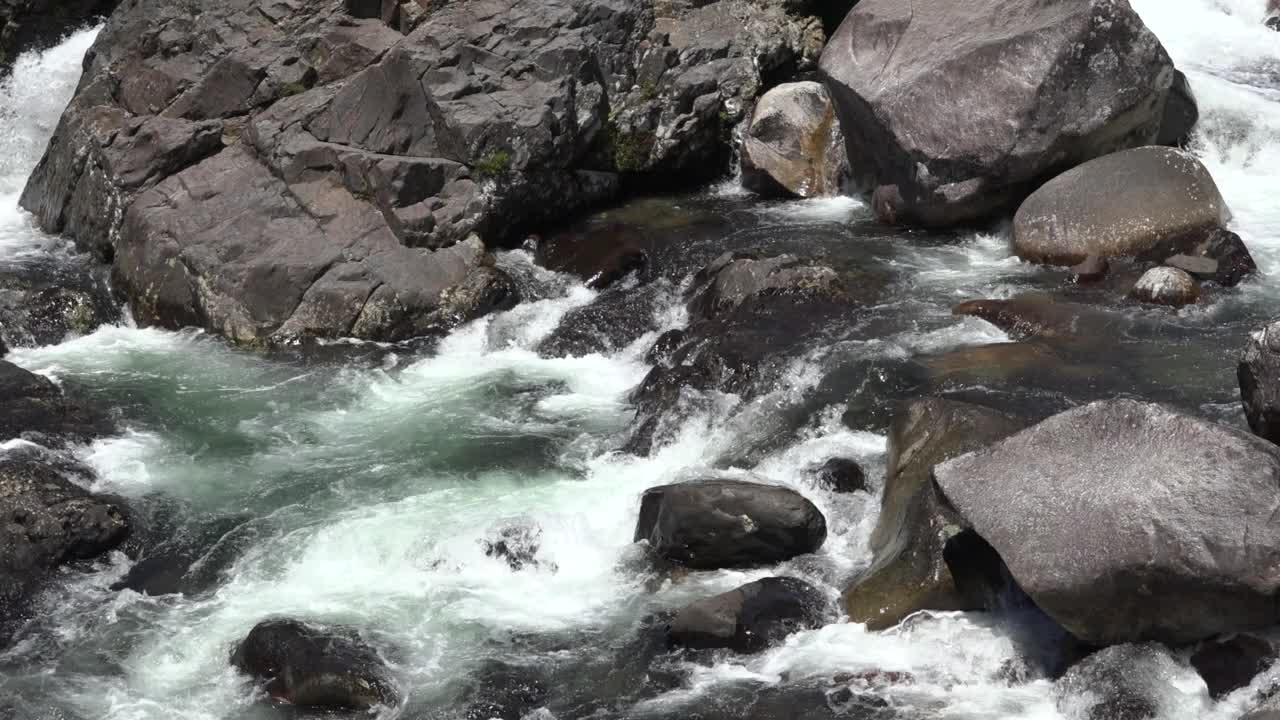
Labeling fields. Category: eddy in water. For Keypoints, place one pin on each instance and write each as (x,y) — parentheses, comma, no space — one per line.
(629,360)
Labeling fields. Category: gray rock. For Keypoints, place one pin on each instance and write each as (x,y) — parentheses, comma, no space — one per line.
(1259,376)
(1138,202)
(943,140)
(1125,682)
(1166,286)
(1127,521)
(908,572)
(46,521)
(714,523)
(750,618)
(309,169)
(1203,268)
(793,145)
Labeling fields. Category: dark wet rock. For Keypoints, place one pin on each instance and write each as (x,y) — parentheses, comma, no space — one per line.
(1091,269)
(1124,682)
(1105,509)
(39,410)
(38,24)
(1202,268)
(1235,262)
(715,523)
(1259,377)
(943,140)
(1025,364)
(1181,113)
(503,690)
(793,145)
(1134,203)
(284,173)
(48,300)
(599,263)
(315,666)
(1272,22)
(46,521)
(189,562)
(842,475)
(611,322)
(516,542)
(750,618)
(1046,318)
(1166,286)
(908,572)
(1230,664)
(665,347)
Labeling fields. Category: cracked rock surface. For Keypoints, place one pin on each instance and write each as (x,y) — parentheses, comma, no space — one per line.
(276,169)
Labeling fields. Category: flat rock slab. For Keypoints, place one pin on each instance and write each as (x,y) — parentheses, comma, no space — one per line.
(1129,521)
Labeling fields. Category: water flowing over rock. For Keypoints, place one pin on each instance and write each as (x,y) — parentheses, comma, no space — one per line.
(943,139)
(1166,286)
(297,171)
(1259,377)
(1144,202)
(908,572)
(714,523)
(750,618)
(315,666)
(1127,521)
(1125,682)
(793,144)
(38,24)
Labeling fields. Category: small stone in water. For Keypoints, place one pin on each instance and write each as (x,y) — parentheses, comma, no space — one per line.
(1166,286)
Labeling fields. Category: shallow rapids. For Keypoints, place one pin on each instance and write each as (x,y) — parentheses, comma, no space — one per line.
(360,483)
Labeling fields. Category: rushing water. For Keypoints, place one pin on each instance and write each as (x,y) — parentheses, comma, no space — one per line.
(360,491)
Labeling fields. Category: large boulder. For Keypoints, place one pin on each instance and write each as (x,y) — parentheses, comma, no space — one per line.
(1259,377)
(943,139)
(750,618)
(46,521)
(1127,521)
(793,145)
(324,169)
(1144,202)
(38,24)
(717,523)
(908,572)
(315,666)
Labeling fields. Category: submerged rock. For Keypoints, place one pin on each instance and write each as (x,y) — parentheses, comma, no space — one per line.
(793,145)
(1230,664)
(1091,269)
(750,618)
(1259,376)
(315,666)
(516,542)
(36,409)
(908,571)
(1103,511)
(1046,318)
(1141,202)
(1166,286)
(285,173)
(46,521)
(713,523)
(943,140)
(192,560)
(1125,682)
(842,475)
